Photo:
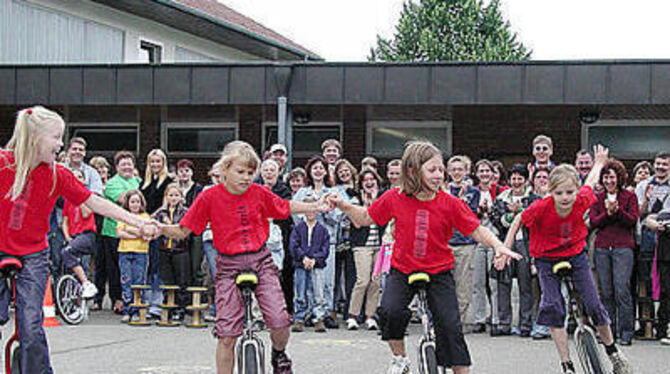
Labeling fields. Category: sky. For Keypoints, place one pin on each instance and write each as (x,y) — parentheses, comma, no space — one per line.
(344,30)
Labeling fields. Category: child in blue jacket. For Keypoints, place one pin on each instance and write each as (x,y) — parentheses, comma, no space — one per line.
(309,245)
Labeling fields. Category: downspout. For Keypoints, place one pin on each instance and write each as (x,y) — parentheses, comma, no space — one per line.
(283,75)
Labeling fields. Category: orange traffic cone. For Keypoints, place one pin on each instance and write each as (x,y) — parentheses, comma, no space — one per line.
(48,308)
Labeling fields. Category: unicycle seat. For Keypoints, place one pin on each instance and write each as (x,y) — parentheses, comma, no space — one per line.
(419,280)
(246,279)
(562,269)
(10,266)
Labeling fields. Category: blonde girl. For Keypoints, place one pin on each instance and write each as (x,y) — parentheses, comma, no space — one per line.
(558,233)
(426,217)
(238,211)
(30,184)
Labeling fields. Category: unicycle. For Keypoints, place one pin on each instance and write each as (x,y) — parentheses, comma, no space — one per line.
(9,269)
(427,355)
(249,349)
(588,351)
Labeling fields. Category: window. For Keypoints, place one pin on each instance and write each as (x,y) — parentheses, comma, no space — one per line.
(388,138)
(197,139)
(150,52)
(106,138)
(631,140)
(307,138)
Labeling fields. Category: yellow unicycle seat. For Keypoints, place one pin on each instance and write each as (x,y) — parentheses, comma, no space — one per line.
(246,279)
(562,269)
(418,279)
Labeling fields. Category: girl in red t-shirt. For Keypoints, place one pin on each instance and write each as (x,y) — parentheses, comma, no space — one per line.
(558,233)
(30,184)
(426,217)
(238,211)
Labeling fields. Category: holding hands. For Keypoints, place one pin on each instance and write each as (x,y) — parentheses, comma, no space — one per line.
(151,230)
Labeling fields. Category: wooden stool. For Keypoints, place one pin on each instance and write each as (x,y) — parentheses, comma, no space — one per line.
(138,291)
(646,305)
(197,307)
(169,305)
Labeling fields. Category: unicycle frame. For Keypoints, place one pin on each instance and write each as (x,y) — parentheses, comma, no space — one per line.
(14,339)
(248,337)
(584,326)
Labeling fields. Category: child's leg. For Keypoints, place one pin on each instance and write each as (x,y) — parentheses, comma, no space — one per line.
(80,245)
(182,273)
(225,355)
(394,314)
(586,288)
(552,308)
(271,300)
(318,277)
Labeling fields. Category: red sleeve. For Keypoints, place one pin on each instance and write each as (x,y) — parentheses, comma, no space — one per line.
(381,210)
(463,219)
(529,215)
(274,206)
(67,210)
(197,216)
(70,187)
(585,198)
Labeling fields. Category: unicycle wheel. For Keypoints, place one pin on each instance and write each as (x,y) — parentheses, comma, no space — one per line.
(589,354)
(428,358)
(250,360)
(16,364)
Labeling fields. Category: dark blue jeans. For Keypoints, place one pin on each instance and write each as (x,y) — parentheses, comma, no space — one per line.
(30,287)
(614,268)
(552,305)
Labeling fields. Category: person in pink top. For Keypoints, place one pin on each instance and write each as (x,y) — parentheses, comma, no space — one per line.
(426,217)
(30,183)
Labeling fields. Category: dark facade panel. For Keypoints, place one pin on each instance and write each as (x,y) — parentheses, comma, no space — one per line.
(453,85)
(65,86)
(297,91)
(406,84)
(247,85)
(134,85)
(660,82)
(585,84)
(172,85)
(324,84)
(629,84)
(99,86)
(363,85)
(210,85)
(543,84)
(7,85)
(499,84)
(32,86)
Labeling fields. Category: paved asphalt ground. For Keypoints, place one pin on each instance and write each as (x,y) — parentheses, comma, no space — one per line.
(103,345)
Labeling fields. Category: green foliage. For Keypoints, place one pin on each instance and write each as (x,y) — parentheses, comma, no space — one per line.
(450,30)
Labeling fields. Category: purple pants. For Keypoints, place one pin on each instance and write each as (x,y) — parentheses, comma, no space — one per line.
(552,306)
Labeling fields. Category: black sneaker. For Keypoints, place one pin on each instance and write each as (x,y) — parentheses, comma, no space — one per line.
(479,328)
(281,364)
(330,323)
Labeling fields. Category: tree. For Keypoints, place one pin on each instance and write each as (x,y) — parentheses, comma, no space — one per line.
(450,30)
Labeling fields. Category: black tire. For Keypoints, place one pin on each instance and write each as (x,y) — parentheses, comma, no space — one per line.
(68,300)
(588,342)
(250,359)
(16,365)
(431,360)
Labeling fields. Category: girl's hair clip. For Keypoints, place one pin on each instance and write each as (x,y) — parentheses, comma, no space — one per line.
(29,111)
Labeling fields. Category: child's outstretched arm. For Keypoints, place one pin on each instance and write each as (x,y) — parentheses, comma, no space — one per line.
(323,205)
(174,231)
(357,214)
(503,254)
(600,155)
(108,209)
(513,229)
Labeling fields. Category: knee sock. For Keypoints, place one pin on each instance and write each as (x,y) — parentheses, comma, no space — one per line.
(611,349)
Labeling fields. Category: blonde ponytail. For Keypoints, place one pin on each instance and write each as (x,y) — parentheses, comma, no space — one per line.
(30,124)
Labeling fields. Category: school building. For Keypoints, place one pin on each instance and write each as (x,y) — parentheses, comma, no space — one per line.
(163,73)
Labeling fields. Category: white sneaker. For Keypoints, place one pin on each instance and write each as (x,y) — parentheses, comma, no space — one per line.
(88,290)
(125,318)
(399,365)
(352,324)
(620,363)
(665,341)
(371,324)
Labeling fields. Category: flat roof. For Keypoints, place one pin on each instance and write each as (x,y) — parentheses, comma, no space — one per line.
(611,82)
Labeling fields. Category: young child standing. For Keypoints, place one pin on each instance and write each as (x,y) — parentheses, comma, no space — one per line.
(174,257)
(426,217)
(309,247)
(133,251)
(558,233)
(79,231)
(30,184)
(238,211)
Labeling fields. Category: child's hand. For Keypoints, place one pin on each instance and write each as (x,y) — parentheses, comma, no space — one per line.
(150,231)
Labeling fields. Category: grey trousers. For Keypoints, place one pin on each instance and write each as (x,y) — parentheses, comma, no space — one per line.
(463,255)
(614,268)
(480,301)
(520,269)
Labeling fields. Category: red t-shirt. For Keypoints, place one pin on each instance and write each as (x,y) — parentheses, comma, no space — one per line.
(76,223)
(553,236)
(239,222)
(24,223)
(423,229)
